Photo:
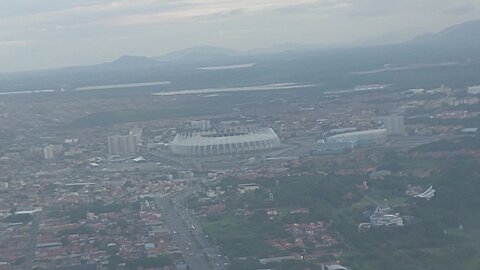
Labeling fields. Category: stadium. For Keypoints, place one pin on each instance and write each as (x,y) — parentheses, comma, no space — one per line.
(219,142)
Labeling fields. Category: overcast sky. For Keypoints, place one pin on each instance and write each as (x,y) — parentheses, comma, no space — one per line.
(54,33)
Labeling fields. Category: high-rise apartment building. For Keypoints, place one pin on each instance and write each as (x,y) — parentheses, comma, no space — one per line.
(138,132)
(51,151)
(123,144)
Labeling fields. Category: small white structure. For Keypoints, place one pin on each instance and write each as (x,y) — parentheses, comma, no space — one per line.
(380,174)
(470,130)
(334,267)
(474,90)
(379,218)
(428,194)
(242,188)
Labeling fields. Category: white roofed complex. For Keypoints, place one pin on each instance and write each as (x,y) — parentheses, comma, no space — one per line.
(229,141)
(365,137)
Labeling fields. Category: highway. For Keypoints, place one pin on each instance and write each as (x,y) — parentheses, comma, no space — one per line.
(187,233)
(30,252)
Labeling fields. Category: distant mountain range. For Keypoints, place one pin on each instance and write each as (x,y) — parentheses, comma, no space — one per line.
(458,36)
(130,60)
(197,53)
(331,66)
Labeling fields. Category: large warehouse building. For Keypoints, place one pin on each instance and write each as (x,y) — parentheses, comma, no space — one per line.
(365,137)
(231,141)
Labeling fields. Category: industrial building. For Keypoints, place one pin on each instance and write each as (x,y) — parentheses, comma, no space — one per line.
(360,138)
(229,141)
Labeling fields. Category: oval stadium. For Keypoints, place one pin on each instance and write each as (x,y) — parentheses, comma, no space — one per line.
(231,141)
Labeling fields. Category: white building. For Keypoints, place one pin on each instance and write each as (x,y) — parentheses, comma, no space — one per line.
(365,137)
(474,90)
(442,89)
(123,144)
(334,267)
(242,188)
(380,218)
(50,151)
(138,132)
(228,141)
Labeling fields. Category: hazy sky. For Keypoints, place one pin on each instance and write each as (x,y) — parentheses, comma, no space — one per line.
(53,33)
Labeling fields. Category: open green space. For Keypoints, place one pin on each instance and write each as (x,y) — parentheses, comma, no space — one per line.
(443,233)
(244,236)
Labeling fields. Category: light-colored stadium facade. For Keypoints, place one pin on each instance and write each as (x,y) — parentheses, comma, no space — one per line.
(365,137)
(219,142)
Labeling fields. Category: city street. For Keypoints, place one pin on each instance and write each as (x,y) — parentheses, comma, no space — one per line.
(30,253)
(187,233)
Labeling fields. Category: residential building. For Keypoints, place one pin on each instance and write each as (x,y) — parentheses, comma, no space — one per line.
(123,144)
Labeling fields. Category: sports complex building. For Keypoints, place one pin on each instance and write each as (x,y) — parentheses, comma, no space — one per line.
(229,141)
(361,138)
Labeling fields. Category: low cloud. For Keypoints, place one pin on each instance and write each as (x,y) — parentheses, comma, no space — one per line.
(462,10)
(13,43)
(207,8)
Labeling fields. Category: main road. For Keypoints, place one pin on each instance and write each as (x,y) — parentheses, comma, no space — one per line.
(198,251)
(30,252)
